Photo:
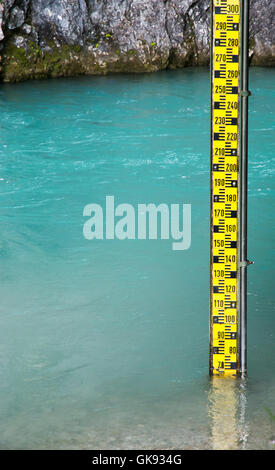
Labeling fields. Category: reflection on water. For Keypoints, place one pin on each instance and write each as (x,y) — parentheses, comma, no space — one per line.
(227,412)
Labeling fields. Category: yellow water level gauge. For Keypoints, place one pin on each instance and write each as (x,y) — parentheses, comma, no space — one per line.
(227,253)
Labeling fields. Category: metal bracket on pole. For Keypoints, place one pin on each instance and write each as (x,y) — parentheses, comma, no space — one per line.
(245,93)
(244,264)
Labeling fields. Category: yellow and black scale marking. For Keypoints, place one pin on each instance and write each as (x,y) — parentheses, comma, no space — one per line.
(225,151)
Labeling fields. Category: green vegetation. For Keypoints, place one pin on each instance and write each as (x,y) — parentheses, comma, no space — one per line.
(272,416)
(33,62)
(20,64)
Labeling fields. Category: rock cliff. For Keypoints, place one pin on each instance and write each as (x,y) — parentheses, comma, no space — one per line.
(48,38)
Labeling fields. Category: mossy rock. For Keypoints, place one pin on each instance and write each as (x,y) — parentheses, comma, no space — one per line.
(21,64)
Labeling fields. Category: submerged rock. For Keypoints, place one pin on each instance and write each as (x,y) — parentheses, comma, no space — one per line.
(42,38)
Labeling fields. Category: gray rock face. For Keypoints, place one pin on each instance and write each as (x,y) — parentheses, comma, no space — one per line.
(65,19)
(16,19)
(262,31)
(188,27)
(101,36)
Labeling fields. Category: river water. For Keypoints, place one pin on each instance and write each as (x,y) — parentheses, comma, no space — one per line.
(104,343)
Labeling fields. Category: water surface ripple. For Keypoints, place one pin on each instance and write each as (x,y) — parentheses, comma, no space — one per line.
(104,344)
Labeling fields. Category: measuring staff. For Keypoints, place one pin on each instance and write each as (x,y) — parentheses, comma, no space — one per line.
(228,234)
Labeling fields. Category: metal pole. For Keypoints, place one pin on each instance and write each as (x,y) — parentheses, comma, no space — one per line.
(243,188)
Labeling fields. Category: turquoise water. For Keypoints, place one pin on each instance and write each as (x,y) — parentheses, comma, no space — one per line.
(104,343)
